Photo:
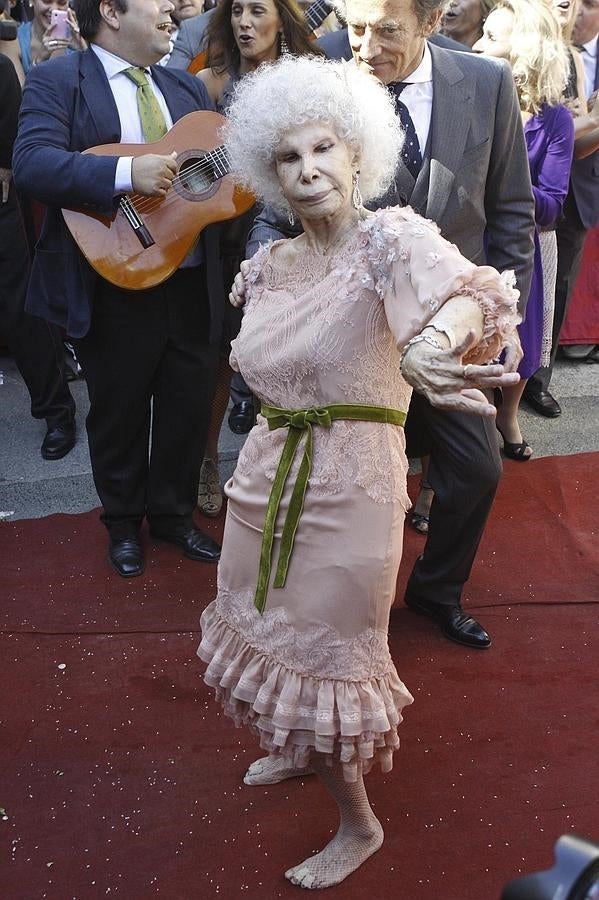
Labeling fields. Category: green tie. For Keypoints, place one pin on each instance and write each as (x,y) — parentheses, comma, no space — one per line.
(153,125)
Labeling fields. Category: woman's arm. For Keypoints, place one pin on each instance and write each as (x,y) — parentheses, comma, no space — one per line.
(440,373)
(447,314)
(214,84)
(551,188)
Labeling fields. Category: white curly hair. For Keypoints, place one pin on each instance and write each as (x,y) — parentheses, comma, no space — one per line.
(297,89)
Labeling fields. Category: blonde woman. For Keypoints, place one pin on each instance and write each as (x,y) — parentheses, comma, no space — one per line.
(526,33)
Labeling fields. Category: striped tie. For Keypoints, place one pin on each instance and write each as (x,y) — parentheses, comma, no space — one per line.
(153,125)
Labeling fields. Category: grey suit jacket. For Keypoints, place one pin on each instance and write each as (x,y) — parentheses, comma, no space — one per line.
(475,180)
(189,40)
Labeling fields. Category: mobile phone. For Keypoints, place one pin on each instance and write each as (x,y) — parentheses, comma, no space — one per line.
(60,24)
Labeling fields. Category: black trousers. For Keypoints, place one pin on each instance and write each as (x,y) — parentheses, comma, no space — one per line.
(35,344)
(150,376)
(464,471)
(570,233)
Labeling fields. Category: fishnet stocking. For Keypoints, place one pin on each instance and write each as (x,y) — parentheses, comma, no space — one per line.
(360,833)
(272,769)
(220,401)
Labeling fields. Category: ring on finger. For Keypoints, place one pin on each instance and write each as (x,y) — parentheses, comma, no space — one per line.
(465,372)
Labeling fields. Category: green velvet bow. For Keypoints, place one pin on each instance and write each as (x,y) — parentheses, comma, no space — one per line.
(300,421)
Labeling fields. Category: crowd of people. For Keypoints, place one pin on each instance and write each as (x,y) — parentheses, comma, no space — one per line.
(398,286)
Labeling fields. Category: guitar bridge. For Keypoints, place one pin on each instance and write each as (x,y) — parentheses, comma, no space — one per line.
(136,222)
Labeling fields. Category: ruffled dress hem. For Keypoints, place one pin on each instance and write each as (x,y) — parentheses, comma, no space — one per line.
(293,714)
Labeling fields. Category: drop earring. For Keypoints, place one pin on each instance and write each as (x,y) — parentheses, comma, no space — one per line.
(291,217)
(356,197)
(283,46)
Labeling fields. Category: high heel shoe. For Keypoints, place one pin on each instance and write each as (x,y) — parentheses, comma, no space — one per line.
(515,451)
(210,495)
(419,521)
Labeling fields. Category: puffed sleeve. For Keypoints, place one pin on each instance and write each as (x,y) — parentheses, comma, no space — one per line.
(416,271)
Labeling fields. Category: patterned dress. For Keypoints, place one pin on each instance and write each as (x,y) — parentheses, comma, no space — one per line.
(315,671)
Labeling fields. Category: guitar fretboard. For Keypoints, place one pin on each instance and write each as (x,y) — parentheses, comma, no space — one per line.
(317,13)
(219,162)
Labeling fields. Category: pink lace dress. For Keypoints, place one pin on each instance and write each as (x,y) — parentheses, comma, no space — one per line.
(314,671)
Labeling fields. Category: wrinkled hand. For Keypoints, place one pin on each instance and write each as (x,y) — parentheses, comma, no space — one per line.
(237,295)
(5,179)
(446,383)
(152,174)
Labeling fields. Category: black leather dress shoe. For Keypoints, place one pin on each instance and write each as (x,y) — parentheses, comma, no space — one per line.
(453,621)
(126,556)
(543,402)
(195,544)
(242,417)
(59,440)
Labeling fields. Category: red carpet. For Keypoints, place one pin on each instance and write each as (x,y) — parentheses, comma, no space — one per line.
(120,778)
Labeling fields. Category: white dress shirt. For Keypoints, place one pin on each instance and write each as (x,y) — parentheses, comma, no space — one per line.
(589,58)
(418,97)
(124,92)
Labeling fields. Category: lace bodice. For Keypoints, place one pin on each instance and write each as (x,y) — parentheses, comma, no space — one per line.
(330,330)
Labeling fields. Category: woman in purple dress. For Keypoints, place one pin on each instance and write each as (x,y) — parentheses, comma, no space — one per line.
(527,34)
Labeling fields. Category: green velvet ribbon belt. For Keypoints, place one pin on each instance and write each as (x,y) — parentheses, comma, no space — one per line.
(300,421)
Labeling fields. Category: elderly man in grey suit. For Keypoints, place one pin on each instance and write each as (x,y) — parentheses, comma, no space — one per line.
(466,169)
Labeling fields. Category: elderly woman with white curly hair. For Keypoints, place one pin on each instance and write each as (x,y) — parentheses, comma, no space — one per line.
(319,492)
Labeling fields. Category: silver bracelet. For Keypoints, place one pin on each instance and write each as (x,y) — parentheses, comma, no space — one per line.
(416,340)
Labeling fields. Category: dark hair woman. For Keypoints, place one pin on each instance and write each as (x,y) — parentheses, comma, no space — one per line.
(243,34)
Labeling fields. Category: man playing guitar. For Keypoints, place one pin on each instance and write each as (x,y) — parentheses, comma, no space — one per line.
(149,356)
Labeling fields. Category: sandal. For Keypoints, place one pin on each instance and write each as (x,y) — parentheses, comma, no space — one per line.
(419,521)
(516,451)
(210,495)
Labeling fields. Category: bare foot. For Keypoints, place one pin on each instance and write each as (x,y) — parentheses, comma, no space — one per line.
(342,856)
(272,769)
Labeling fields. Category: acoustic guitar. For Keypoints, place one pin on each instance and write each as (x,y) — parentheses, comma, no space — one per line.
(315,15)
(147,238)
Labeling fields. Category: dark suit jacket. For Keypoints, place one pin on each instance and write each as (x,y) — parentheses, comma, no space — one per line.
(475,179)
(10,98)
(584,181)
(68,107)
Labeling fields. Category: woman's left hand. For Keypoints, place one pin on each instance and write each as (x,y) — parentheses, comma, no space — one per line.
(447,383)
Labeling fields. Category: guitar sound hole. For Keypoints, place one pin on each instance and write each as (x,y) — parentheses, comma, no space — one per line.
(197,174)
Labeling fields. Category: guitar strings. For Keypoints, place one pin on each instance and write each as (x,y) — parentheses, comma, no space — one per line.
(205,166)
(149,204)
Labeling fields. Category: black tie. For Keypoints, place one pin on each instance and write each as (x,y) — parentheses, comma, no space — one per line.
(410,151)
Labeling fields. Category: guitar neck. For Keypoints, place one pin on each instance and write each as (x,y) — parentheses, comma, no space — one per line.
(219,160)
(317,13)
